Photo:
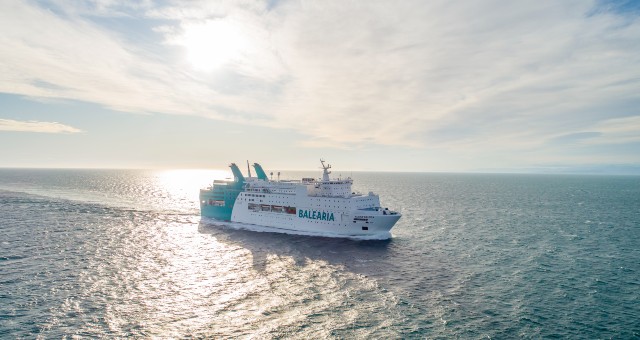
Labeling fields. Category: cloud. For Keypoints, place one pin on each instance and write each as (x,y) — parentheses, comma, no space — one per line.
(472,76)
(36,126)
(79,60)
(607,132)
(415,73)
(485,76)
(576,137)
(618,131)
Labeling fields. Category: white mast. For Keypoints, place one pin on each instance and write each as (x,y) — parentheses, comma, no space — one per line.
(325,172)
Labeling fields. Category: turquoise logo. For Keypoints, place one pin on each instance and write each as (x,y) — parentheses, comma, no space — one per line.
(316,215)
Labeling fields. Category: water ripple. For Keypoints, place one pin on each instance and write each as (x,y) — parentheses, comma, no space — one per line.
(124,254)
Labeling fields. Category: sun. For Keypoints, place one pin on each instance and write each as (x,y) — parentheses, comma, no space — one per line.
(214,43)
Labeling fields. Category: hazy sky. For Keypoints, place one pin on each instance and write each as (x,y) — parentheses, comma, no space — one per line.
(368,85)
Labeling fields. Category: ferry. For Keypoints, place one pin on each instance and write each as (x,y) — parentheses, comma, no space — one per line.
(323,206)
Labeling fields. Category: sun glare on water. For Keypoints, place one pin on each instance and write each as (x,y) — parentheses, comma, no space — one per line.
(214,43)
(178,189)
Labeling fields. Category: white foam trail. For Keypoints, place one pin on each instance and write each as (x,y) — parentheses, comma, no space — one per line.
(263,229)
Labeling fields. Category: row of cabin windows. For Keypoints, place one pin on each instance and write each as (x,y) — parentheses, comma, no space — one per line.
(272,208)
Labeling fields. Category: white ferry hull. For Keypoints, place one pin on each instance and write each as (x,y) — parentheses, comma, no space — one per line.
(344,226)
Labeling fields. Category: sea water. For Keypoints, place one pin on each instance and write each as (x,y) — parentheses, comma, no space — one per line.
(124,253)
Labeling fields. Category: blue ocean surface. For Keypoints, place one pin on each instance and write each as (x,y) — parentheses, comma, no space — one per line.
(124,253)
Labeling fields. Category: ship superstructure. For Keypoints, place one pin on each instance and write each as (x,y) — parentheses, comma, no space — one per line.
(325,206)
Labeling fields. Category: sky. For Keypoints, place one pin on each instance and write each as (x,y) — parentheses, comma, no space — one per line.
(413,85)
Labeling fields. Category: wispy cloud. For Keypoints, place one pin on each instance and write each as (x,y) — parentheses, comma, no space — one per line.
(476,76)
(618,131)
(35,126)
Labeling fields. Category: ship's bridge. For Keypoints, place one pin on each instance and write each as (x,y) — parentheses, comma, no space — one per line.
(330,188)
